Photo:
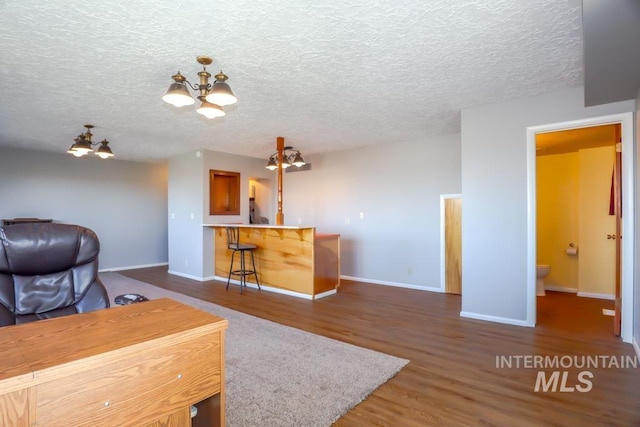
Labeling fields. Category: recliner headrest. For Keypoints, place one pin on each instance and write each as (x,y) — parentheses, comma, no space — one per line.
(58,247)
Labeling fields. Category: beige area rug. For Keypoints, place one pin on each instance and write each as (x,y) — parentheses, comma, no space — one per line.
(277,375)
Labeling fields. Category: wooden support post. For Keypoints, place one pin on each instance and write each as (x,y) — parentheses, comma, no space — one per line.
(280,147)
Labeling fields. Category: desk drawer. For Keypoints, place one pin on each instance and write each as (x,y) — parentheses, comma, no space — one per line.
(136,388)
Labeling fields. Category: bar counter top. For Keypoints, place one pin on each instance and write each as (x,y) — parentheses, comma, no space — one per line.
(286,227)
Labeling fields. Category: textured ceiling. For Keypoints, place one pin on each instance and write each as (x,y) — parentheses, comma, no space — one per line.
(326,75)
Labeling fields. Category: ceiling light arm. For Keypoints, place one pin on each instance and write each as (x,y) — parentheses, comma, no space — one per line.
(204,85)
(179,78)
(202,88)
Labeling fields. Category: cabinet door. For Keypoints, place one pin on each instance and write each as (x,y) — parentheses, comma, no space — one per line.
(136,385)
(14,409)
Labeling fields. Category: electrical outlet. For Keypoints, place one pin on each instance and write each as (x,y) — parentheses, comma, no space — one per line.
(346,221)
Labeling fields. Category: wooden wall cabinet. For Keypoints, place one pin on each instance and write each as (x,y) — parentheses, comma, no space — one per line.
(224,193)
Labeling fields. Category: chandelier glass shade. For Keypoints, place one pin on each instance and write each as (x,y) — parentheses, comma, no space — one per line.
(83,145)
(178,95)
(210,111)
(212,96)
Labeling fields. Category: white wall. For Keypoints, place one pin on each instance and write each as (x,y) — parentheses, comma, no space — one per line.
(124,202)
(494,185)
(191,244)
(397,187)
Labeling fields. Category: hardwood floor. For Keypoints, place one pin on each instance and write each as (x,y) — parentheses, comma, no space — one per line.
(453,378)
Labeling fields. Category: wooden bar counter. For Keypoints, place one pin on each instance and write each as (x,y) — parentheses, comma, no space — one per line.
(138,365)
(291,260)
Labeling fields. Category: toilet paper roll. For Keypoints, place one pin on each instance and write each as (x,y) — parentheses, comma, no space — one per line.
(572,251)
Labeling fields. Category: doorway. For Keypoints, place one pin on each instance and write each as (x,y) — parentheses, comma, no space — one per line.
(451,243)
(259,200)
(576,221)
(628,189)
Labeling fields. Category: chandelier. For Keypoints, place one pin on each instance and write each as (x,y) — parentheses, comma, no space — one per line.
(290,157)
(212,96)
(83,145)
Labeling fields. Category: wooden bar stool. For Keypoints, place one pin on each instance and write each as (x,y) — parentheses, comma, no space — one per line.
(233,243)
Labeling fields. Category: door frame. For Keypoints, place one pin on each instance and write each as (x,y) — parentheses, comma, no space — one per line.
(443,249)
(628,192)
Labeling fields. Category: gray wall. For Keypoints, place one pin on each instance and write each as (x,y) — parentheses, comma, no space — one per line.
(494,184)
(636,285)
(124,202)
(190,244)
(185,215)
(397,187)
(611,32)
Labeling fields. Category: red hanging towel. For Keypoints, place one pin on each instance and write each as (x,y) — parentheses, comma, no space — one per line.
(612,198)
(612,195)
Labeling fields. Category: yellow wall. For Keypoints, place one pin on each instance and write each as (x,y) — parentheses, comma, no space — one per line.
(557,216)
(573,207)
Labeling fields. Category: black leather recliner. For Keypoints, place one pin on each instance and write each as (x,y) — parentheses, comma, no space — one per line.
(48,270)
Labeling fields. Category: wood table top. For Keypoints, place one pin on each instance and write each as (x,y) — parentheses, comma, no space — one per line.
(49,348)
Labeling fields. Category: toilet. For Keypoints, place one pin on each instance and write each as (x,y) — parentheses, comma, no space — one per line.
(542,270)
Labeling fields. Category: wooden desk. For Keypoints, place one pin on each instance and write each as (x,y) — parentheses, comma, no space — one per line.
(138,365)
(293,260)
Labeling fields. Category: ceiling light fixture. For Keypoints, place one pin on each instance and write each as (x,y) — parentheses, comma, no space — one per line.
(282,159)
(290,157)
(83,145)
(212,96)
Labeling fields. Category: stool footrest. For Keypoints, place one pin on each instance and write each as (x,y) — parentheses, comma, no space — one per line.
(242,272)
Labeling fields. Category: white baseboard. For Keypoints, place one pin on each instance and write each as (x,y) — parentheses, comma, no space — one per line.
(395,284)
(580,294)
(268,288)
(496,319)
(189,276)
(594,295)
(561,289)
(133,267)
(326,294)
